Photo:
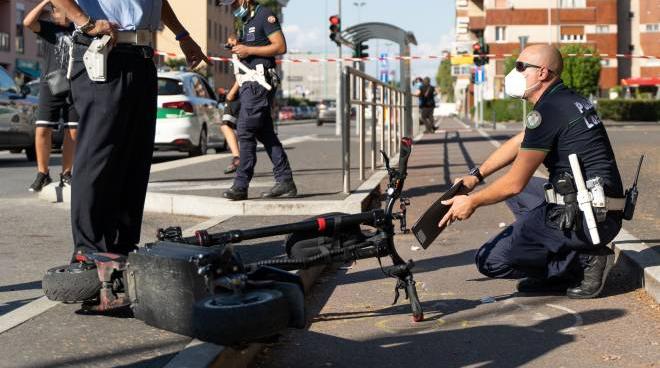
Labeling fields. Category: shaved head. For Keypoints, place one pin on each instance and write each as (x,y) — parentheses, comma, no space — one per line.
(544,55)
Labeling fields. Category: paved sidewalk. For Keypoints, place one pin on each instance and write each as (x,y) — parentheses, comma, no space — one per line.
(471,321)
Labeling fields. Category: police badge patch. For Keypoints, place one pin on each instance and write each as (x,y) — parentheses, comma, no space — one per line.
(272,19)
(533,120)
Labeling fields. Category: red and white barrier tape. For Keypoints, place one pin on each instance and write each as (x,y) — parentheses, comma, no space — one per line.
(410,58)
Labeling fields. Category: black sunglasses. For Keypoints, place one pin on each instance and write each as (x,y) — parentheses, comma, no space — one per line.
(522,66)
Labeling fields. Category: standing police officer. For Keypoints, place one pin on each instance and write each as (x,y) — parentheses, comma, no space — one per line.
(261,39)
(117,116)
(549,245)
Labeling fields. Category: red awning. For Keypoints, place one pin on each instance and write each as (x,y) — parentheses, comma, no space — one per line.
(641,81)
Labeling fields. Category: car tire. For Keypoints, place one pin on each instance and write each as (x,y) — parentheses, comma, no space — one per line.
(31,154)
(222,148)
(66,284)
(227,319)
(203,146)
(15,151)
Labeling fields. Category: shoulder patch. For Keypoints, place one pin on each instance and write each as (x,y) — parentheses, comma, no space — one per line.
(272,19)
(533,120)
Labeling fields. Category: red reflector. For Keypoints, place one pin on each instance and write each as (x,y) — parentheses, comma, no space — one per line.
(181,105)
(322,224)
(181,142)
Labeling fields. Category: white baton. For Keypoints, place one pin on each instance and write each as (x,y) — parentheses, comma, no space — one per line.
(584,199)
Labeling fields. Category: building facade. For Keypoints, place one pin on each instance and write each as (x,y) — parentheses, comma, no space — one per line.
(314,81)
(210,26)
(609,26)
(21,53)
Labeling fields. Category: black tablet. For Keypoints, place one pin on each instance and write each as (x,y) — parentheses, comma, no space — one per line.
(426,228)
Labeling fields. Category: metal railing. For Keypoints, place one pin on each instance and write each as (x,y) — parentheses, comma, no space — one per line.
(387,106)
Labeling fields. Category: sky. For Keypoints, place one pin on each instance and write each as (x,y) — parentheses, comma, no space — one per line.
(432,21)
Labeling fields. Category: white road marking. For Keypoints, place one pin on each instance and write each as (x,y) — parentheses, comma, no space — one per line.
(24,313)
(576,315)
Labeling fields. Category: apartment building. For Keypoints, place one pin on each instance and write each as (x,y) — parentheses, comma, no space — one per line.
(209,25)
(21,53)
(609,26)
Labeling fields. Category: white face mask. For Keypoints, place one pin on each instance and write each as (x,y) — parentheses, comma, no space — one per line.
(515,84)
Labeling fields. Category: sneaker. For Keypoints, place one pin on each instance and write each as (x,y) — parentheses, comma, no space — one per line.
(233,166)
(534,285)
(597,268)
(235,194)
(65,179)
(40,182)
(283,189)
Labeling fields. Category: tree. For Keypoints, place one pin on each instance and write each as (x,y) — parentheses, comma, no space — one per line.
(581,73)
(274,5)
(510,63)
(445,80)
(176,63)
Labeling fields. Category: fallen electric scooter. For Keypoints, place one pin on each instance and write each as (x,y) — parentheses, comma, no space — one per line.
(198,286)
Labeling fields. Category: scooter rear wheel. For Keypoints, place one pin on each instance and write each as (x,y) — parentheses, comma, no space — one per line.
(228,319)
(71,283)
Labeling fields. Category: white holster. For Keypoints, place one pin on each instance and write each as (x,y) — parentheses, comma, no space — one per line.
(584,199)
(244,74)
(96,59)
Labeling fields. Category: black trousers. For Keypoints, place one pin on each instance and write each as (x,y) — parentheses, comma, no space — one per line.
(531,247)
(256,123)
(114,151)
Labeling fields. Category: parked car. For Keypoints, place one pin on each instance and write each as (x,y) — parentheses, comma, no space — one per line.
(299,112)
(189,116)
(17,114)
(286,113)
(327,110)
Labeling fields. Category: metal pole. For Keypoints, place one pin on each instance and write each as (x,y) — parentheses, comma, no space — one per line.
(389,122)
(361,114)
(382,119)
(346,131)
(523,44)
(374,121)
(481,105)
(340,108)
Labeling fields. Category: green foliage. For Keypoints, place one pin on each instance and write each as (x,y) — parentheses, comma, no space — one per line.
(629,110)
(505,110)
(176,63)
(581,73)
(445,81)
(510,63)
(274,5)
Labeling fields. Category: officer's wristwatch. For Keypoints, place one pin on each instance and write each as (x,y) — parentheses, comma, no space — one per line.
(476,173)
(88,26)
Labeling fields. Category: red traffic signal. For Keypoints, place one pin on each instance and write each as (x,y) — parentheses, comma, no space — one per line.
(335,20)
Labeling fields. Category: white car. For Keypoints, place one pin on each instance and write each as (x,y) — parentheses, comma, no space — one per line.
(189,116)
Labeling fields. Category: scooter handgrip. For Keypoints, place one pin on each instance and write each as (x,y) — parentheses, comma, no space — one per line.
(406,149)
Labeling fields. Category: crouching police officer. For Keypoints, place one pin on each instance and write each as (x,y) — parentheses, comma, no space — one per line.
(260,40)
(114,89)
(549,246)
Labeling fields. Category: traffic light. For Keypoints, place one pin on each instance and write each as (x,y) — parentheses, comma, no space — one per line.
(335,28)
(360,51)
(480,51)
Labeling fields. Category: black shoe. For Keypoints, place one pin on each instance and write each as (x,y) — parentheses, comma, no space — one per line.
(40,182)
(65,179)
(235,194)
(283,189)
(233,166)
(534,285)
(595,273)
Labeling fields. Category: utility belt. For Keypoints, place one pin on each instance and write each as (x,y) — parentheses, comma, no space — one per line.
(95,50)
(600,203)
(266,77)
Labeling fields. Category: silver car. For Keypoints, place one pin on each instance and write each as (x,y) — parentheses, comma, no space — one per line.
(327,110)
(16,118)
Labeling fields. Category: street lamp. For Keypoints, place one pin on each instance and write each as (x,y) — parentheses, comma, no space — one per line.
(359,6)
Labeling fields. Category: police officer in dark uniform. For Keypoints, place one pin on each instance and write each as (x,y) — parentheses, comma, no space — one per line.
(117,107)
(549,246)
(261,39)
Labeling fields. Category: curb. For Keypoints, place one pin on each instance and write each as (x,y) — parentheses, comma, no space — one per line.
(638,257)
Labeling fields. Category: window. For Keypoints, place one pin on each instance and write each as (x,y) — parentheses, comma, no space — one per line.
(20,37)
(605,62)
(654,27)
(572,3)
(169,87)
(500,33)
(603,29)
(572,38)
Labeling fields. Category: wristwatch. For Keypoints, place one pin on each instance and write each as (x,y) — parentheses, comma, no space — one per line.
(476,173)
(88,26)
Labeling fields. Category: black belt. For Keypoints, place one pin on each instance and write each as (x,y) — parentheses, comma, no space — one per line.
(82,39)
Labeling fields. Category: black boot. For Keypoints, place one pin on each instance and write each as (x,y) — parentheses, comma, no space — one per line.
(534,285)
(595,273)
(283,189)
(235,194)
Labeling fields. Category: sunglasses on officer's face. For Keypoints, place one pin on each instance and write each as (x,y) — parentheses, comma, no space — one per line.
(521,66)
